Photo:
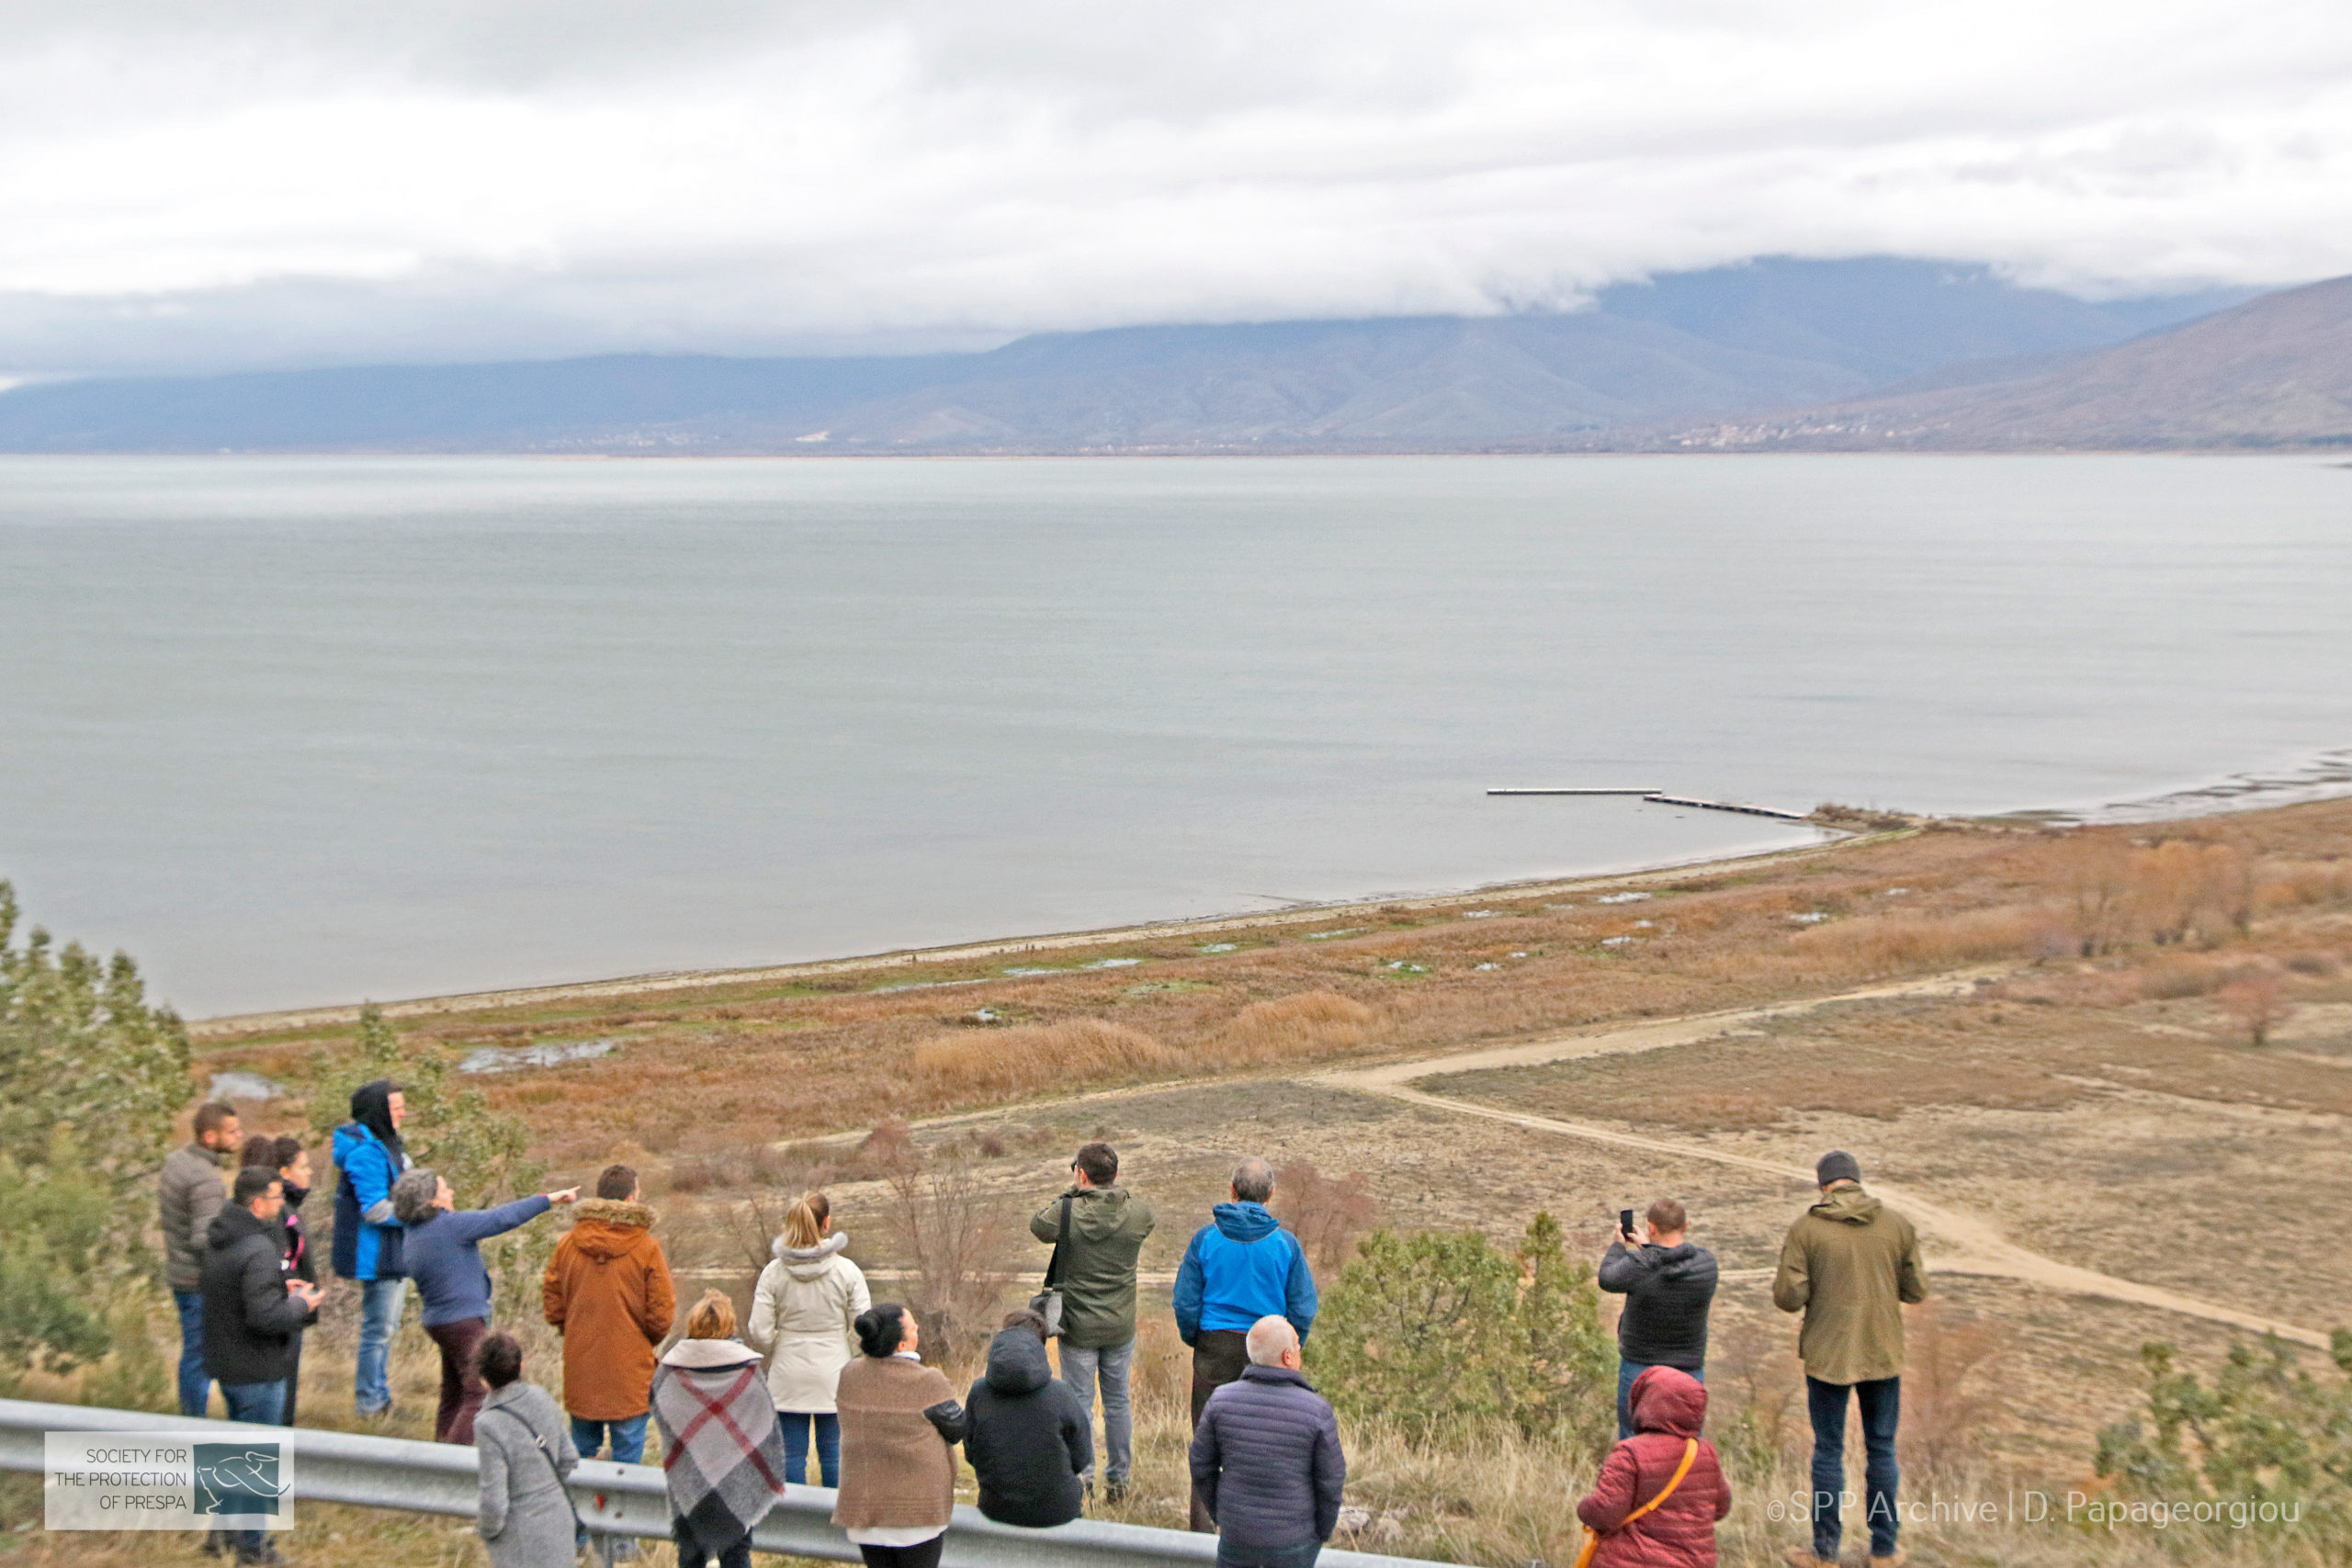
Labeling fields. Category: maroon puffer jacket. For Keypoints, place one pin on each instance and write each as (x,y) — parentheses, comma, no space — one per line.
(1668,1408)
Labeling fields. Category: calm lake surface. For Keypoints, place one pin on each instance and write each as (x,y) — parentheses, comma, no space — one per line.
(297,730)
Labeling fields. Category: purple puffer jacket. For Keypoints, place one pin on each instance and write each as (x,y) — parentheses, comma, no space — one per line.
(1266,1459)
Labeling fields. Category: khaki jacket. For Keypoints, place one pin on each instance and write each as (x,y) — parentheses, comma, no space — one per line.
(1848,1264)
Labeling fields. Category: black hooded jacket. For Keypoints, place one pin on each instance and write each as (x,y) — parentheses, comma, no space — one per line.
(252,1328)
(1029,1438)
(1667,1290)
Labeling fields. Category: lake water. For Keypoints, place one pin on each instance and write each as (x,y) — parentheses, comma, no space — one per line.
(303,730)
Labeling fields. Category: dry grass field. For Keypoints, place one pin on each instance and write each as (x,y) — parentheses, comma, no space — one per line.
(2097,1094)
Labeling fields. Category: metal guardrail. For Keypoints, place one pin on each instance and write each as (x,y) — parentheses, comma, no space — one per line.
(624,1499)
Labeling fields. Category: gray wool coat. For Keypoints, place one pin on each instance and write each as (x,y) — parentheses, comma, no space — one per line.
(525,1519)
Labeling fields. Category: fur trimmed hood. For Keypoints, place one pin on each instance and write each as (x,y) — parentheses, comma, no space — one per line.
(808,1262)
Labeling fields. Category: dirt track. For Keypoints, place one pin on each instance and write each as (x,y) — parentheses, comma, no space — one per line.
(1960,1242)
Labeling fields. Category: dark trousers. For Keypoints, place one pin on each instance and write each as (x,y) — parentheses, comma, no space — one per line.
(293,1383)
(923,1556)
(827,1426)
(262,1404)
(1626,1372)
(195,1388)
(1881,1407)
(1218,1356)
(1231,1556)
(461,1386)
(692,1553)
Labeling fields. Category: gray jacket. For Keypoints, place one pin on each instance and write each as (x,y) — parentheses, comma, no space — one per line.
(526,1518)
(193,1191)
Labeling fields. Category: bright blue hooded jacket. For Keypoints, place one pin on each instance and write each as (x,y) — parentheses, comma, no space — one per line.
(1240,1268)
(363,1201)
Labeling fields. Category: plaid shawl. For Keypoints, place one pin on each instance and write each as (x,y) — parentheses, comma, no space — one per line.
(722,1451)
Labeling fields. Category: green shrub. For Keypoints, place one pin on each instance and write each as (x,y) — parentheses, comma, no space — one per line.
(2264,1435)
(1430,1330)
(93,1077)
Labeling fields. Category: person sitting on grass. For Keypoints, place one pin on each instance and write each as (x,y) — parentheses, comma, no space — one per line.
(1659,1492)
(526,1516)
(1030,1440)
(722,1451)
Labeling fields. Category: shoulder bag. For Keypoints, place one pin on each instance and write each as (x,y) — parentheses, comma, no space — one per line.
(541,1444)
(1592,1537)
(1047,1304)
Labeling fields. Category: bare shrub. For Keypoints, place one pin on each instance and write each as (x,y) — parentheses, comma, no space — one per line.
(956,1234)
(1034,1058)
(1312,1024)
(1752,1385)
(2257,1004)
(1327,1215)
(1881,943)
(2175,979)
(1950,1375)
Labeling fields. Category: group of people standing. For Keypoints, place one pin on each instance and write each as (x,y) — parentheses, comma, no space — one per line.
(843,1390)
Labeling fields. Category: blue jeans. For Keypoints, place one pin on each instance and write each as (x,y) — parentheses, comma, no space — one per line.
(1080,1368)
(1881,1407)
(1231,1556)
(628,1438)
(380,1317)
(1626,1372)
(795,1425)
(259,1405)
(195,1389)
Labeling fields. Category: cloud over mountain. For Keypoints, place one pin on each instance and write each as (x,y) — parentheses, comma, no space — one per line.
(215,184)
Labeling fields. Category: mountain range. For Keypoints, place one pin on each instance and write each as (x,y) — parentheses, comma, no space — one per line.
(2274,372)
(1683,360)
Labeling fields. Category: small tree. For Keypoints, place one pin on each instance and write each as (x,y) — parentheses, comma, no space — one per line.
(485,1153)
(2258,1004)
(92,1079)
(1429,1330)
(2263,1431)
(955,1232)
(1327,1215)
(82,1047)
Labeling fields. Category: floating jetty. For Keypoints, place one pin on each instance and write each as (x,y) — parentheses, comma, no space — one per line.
(1657,798)
(1644,794)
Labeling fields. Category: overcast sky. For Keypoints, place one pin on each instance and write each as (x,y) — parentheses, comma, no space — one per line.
(186,184)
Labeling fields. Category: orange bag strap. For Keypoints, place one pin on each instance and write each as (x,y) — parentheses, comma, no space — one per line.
(1592,1537)
(1690,1456)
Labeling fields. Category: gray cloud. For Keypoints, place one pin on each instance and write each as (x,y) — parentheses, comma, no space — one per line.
(204,184)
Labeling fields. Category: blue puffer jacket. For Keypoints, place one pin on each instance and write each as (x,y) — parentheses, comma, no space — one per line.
(1266,1460)
(363,1201)
(1242,1269)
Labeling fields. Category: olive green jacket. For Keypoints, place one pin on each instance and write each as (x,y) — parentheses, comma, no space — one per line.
(1848,1264)
(1107,1229)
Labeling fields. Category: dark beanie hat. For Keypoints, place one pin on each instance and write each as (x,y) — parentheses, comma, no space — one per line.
(1837,1166)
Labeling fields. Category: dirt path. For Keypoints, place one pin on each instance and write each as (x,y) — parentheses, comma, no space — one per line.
(1963,1242)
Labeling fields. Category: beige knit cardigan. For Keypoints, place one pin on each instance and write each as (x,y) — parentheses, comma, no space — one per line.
(896,1473)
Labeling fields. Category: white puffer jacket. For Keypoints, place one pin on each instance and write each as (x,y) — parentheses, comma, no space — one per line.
(804,1307)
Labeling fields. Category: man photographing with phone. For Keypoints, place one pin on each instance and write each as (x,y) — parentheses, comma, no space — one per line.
(1668,1286)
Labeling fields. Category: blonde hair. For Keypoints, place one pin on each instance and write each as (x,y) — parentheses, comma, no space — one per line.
(713,1317)
(804,1224)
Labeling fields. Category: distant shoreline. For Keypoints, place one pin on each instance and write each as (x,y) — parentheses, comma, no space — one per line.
(230,1025)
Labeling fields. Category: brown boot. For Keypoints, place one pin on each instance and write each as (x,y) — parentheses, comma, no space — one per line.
(1895,1559)
(1803,1557)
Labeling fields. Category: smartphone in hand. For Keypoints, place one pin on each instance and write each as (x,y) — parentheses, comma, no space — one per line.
(1625,1225)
